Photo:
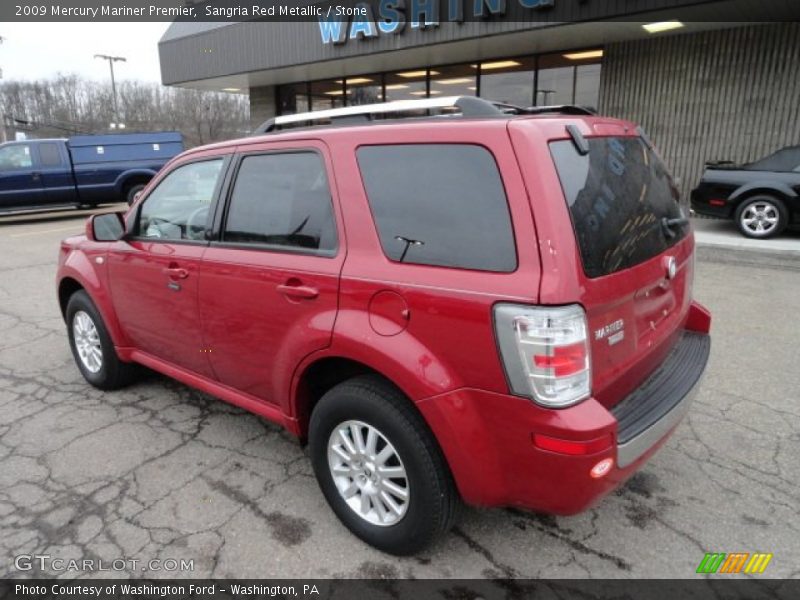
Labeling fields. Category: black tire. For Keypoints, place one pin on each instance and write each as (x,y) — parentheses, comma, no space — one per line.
(132,190)
(771,206)
(112,373)
(432,499)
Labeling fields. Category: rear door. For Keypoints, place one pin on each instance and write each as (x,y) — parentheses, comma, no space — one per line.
(623,251)
(56,173)
(20,179)
(269,282)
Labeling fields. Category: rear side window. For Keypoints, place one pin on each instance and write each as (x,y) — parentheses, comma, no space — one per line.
(50,155)
(282,200)
(439,204)
(618,195)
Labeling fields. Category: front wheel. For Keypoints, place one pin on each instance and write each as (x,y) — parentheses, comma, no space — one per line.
(380,467)
(92,347)
(761,217)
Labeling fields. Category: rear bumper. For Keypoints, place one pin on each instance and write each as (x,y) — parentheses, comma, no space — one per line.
(488,438)
(661,402)
(710,203)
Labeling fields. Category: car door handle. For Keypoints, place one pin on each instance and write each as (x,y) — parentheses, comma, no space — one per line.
(175,272)
(36,176)
(298,291)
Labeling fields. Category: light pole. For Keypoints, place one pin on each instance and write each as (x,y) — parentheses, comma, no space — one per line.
(111,60)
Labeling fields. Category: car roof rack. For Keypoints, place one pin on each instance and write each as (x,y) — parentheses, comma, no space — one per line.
(564,109)
(470,106)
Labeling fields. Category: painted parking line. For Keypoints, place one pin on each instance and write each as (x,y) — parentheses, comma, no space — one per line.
(75,228)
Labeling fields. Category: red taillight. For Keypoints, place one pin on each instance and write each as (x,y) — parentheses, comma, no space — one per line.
(545,351)
(572,447)
(716,202)
(565,360)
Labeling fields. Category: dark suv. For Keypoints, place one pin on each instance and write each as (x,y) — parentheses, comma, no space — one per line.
(480,306)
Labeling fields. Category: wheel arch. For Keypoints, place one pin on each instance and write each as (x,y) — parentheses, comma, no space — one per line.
(135,177)
(318,376)
(783,192)
(66,288)
(77,274)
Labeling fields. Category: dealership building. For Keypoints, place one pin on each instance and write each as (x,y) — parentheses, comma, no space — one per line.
(708,80)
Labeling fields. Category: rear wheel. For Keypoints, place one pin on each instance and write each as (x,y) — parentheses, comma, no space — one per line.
(761,217)
(92,347)
(380,467)
(131,192)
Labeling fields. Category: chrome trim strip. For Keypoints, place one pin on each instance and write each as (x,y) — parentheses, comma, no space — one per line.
(369,109)
(631,450)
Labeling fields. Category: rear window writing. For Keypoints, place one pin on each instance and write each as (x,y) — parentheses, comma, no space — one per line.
(618,195)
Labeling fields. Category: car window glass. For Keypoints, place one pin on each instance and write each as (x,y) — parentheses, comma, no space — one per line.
(179,206)
(17,156)
(49,155)
(439,204)
(785,159)
(282,200)
(618,195)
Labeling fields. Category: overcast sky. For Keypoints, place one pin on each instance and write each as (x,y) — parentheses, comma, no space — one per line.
(37,50)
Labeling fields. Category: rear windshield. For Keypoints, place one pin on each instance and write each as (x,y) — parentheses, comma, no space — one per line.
(787,159)
(618,196)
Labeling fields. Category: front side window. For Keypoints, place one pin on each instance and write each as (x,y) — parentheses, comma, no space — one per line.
(282,200)
(178,208)
(17,156)
(439,204)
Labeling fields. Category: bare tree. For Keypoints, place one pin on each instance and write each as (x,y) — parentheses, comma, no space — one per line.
(69,104)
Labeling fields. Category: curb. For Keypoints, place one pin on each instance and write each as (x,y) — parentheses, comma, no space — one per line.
(753,257)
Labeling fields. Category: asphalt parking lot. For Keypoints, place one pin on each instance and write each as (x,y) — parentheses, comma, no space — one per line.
(159,471)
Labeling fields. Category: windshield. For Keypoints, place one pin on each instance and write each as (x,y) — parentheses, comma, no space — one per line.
(622,200)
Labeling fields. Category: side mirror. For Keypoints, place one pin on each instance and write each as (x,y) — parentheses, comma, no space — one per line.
(108,227)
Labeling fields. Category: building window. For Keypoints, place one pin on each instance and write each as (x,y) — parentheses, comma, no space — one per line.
(327,94)
(456,80)
(587,85)
(406,85)
(569,78)
(293,99)
(364,90)
(508,81)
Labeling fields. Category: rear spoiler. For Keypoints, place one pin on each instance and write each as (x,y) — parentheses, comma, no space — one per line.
(713,164)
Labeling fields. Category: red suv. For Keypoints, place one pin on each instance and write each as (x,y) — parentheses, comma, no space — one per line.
(492,306)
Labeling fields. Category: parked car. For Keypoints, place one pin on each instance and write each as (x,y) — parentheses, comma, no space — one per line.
(495,308)
(81,170)
(762,196)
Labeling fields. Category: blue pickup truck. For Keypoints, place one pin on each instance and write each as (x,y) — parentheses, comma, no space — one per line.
(83,170)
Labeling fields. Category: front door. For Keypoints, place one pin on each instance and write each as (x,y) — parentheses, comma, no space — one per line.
(20,180)
(154,273)
(269,283)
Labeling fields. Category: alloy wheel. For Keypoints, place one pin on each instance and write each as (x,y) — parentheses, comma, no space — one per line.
(760,218)
(87,342)
(368,473)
